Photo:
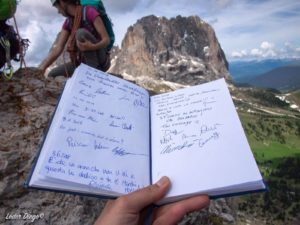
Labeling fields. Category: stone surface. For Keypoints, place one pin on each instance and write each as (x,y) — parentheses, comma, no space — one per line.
(27,103)
(182,49)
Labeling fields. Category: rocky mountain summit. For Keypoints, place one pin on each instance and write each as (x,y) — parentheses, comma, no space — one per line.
(182,49)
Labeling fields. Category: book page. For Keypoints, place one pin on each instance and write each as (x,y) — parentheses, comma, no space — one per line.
(198,140)
(99,136)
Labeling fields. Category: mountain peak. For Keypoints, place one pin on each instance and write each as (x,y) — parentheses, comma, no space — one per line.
(181,49)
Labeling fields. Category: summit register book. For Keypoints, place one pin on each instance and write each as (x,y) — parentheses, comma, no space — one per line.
(109,137)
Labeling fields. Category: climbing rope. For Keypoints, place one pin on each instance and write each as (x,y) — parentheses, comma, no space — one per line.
(23,46)
(72,48)
(23,43)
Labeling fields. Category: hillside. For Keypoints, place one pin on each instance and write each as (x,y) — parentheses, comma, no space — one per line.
(243,71)
(294,97)
(284,79)
(275,141)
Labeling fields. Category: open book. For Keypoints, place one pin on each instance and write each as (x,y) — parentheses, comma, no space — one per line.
(108,137)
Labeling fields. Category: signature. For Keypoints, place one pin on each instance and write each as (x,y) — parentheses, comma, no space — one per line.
(205,128)
(74,143)
(170,148)
(122,152)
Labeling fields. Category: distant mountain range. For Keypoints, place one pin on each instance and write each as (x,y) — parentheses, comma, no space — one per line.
(284,79)
(283,75)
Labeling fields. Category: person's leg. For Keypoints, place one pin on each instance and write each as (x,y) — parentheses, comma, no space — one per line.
(97,59)
(62,70)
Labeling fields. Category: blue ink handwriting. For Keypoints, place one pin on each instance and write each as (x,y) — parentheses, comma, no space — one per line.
(102,92)
(99,146)
(72,143)
(169,148)
(122,152)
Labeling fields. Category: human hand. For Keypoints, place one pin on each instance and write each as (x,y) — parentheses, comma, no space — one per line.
(85,45)
(131,209)
(43,71)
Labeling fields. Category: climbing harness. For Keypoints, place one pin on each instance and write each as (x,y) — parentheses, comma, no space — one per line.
(15,38)
(8,69)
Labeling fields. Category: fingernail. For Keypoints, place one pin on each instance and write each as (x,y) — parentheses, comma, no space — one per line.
(162,181)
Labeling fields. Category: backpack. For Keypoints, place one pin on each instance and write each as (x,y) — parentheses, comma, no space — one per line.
(7,9)
(106,20)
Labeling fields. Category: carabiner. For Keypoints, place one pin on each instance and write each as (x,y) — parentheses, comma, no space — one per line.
(8,72)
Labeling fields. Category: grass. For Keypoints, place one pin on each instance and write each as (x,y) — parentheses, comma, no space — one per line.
(273,150)
(272,137)
(275,142)
(297,94)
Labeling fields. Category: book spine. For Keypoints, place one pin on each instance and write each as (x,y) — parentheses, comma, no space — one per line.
(150,141)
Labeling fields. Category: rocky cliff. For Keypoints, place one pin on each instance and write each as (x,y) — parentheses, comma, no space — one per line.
(27,102)
(182,49)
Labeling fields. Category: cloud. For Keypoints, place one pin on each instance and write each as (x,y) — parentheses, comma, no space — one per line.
(122,6)
(266,45)
(268,50)
(241,54)
(221,4)
(38,40)
(39,22)
(250,23)
(240,25)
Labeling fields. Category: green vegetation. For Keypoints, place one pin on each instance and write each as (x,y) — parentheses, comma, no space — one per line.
(266,98)
(297,94)
(275,142)
(272,137)
(294,97)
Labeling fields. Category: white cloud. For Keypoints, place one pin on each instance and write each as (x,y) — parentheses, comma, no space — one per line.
(38,40)
(256,52)
(39,22)
(239,54)
(268,50)
(266,45)
(236,55)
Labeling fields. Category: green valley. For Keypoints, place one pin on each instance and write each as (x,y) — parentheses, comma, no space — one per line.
(275,142)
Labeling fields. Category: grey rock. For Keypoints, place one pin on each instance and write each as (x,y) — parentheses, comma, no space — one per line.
(27,103)
(182,49)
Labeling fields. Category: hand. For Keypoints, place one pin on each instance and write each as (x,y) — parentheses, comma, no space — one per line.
(85,45)
(42,69)
(132,208)
(43,72)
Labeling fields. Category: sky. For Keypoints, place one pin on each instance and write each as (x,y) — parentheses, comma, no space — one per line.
(246,29)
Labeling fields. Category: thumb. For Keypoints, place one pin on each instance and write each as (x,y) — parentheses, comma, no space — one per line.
(139,199)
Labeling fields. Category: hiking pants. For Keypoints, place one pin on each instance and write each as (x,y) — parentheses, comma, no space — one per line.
(98,59)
